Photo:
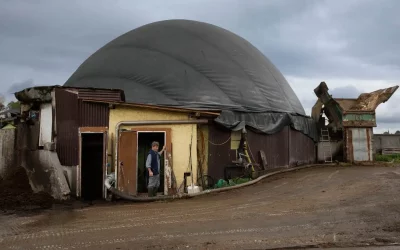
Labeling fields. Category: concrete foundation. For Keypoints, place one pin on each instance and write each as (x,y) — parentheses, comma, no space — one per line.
(45,173)
(70,175)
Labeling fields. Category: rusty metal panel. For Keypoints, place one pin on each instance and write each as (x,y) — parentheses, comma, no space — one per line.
(275,147)
(348,137)
(127,162)
(67,123)
(93,114)
(302,149)
(370,101)
(219,151)
(101,94)
(72,113)
(361,144)
(359,120)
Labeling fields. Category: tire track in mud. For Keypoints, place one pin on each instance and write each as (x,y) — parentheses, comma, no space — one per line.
(155,221)
(263,230)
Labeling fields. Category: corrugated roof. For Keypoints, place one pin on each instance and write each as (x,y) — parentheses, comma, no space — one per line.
(43,93)
(173,109)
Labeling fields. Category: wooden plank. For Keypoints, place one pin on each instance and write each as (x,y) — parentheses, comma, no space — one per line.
(264,162)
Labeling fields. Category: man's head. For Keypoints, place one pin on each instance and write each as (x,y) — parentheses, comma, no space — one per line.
(155,145)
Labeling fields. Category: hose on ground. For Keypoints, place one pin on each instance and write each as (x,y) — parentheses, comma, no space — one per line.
(110,180)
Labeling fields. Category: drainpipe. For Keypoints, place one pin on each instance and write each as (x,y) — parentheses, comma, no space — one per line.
(157,122)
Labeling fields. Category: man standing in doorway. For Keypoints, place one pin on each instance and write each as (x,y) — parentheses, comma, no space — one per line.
(153,166)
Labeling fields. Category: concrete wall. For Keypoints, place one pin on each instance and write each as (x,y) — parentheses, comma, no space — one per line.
(7,152)
(336,146)
(385,141)
(43,167)
(45,173)
(70,175)
(180,135)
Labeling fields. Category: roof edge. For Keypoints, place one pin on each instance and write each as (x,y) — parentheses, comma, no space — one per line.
(158,107)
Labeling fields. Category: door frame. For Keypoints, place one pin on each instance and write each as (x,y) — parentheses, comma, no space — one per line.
(137,154)
(92,130)
(167,143)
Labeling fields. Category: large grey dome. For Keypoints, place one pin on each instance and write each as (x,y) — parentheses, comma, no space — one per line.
(188,64)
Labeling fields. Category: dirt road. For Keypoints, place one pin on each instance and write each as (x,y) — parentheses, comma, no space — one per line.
(326,207)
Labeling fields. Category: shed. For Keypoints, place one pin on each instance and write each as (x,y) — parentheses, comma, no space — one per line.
(354,118)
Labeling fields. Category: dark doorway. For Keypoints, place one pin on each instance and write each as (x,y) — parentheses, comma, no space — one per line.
(144,145)
(92,157)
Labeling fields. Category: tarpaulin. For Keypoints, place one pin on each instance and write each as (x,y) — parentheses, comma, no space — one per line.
(269,123)
(189,64)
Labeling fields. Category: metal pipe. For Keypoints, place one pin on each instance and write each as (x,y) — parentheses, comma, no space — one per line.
(156,122)
(218,190)
(138,199)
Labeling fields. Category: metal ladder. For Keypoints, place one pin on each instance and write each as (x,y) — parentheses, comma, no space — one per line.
(326,145)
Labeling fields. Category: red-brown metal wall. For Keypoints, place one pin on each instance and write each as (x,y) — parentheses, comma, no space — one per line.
(101,95)
(93,114)
(302,149)
(275,147)
(283,149)
(72,113)
(219,151)
(67,119)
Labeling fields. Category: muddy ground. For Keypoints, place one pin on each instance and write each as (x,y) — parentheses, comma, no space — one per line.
(16,194)
(329,207)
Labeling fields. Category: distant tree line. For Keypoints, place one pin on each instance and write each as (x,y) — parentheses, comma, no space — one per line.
(388,133)
(10,105)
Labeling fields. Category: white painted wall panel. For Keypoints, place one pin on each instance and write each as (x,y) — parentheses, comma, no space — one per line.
(46,123)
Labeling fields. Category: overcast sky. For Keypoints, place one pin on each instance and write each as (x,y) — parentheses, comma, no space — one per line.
(352,45)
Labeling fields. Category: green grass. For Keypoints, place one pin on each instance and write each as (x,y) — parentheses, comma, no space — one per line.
(388,158)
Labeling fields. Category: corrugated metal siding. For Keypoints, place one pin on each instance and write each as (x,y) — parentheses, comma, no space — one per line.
(285,148)
(102,95)
(219,151)
(93,114)
(275,147)
(67,120)
(302,149)
(72,113)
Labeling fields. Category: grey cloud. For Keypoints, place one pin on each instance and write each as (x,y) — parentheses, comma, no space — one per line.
(304,38)
(15,87)
(348,91)
(345,92)
(392,118)
(308,38)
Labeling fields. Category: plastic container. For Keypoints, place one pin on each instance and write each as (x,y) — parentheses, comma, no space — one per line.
(193,189)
